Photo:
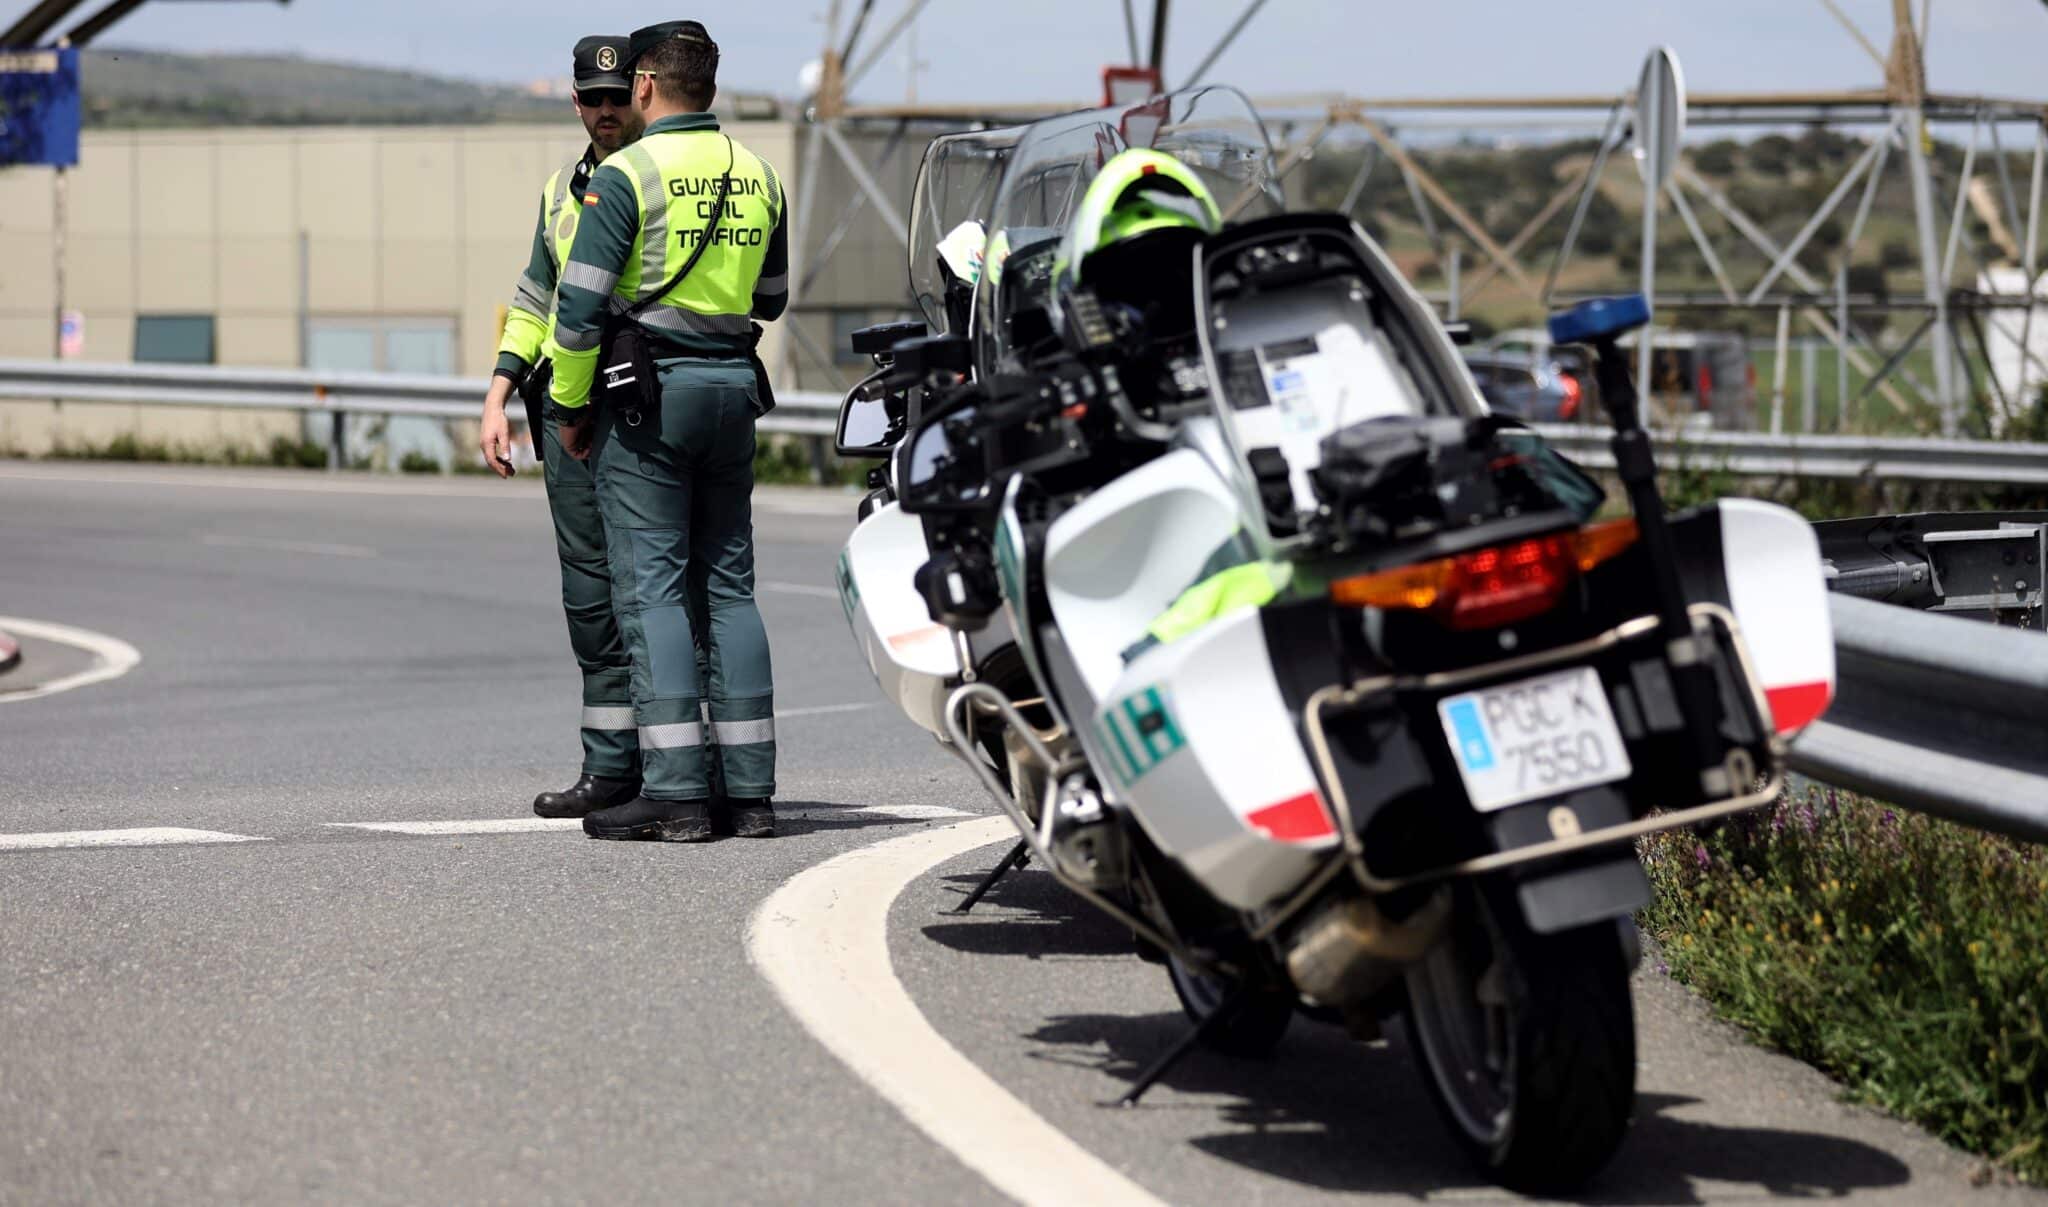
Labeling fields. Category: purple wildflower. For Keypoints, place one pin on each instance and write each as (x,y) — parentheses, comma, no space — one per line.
(1700,856)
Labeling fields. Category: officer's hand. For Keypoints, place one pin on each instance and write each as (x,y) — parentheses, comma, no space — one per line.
(495,439)
(575,437)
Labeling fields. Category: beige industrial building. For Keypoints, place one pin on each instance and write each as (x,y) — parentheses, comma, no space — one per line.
(361,248)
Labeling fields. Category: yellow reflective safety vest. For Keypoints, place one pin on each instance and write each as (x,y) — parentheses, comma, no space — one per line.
(533,297)
(646,210)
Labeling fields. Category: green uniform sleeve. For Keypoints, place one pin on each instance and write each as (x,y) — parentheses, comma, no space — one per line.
(771,292)
(604,241)
(526,321)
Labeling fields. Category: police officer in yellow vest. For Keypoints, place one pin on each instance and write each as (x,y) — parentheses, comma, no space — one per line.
(611,751)
(682,243)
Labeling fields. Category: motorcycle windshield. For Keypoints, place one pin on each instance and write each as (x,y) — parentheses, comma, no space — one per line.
(949,213)
(1214,131)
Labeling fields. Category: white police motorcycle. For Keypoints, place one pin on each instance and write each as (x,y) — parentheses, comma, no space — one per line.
(1336,690)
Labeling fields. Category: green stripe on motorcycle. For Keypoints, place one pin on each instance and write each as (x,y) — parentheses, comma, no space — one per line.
(1152,736)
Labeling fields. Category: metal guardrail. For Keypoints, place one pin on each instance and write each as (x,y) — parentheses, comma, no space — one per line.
(811,414)
(798,413)
(1760,454)
(1936,713)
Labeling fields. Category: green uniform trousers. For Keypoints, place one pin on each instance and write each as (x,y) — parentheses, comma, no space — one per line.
(677,497)
(611,745)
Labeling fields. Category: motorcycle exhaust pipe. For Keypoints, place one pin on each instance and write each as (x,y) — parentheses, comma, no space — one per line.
(1350,950)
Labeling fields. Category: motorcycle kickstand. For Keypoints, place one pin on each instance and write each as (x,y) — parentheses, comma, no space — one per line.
(1159,1068)
(1019,856)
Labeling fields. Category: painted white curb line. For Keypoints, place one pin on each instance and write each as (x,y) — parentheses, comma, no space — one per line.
(116,657)
(822,942)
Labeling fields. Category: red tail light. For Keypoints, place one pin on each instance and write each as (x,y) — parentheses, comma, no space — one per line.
(1573,395)
(1490,587)
(1706,388)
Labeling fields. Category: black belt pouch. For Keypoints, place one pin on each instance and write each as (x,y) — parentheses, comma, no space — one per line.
(626,375)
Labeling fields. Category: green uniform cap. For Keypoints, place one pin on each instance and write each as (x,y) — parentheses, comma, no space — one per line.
(601,62)
(648,37)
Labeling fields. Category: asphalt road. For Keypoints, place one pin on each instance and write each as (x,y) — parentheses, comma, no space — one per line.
(332,1014)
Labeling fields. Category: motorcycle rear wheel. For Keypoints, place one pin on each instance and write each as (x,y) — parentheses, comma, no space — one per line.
(1254,1031)
(1526,1043)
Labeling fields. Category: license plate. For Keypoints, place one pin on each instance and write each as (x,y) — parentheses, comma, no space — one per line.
(1536,738)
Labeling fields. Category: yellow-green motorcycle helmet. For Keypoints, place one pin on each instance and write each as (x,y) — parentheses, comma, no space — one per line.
(1137,192)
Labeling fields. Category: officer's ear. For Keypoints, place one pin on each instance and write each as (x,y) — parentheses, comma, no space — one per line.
(643,90)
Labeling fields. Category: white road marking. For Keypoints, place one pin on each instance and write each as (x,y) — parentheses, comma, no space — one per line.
(801,589)
(822,942)
(512,825)
(900,812)
(821,711)
(147,836)
(115,657)
(224,541)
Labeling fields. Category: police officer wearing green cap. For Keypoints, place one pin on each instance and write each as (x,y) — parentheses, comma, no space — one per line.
(611,750)
(682,244)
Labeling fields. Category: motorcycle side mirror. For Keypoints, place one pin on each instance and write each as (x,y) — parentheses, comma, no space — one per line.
(880,338)
(865,427)
(939,469)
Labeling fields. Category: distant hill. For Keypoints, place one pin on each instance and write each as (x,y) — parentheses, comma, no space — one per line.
(142,88)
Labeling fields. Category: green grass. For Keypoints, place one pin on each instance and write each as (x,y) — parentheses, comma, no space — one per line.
(1871,412)
(1900,954)
(127,446)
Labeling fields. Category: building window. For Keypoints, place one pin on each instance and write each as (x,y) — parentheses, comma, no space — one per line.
(176,339)
(844,324)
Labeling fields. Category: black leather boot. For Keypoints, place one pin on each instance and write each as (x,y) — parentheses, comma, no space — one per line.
(652,821)
(750,818)
(586,796)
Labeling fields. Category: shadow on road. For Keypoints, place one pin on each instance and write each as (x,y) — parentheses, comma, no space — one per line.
(1335,1114)
(812,817)
(1038,920)
(1338,1115)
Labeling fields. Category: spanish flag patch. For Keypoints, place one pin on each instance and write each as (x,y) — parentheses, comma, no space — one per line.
(590,198)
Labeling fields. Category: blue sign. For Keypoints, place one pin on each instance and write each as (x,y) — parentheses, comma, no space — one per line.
(39,107)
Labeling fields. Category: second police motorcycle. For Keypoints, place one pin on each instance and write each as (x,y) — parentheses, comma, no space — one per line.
(1195,541)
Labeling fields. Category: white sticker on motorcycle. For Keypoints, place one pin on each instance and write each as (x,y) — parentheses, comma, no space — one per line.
(1536,738)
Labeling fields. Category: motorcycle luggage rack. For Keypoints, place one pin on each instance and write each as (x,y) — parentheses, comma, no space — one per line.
(1739,768)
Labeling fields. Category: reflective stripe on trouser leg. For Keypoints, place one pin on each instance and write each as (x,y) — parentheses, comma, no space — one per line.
(745,732)
(606,724)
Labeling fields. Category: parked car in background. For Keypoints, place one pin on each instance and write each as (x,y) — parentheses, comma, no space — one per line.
(1701,378)
(1539,391)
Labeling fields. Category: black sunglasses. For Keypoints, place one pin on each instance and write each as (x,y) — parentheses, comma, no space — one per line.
(617,98)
